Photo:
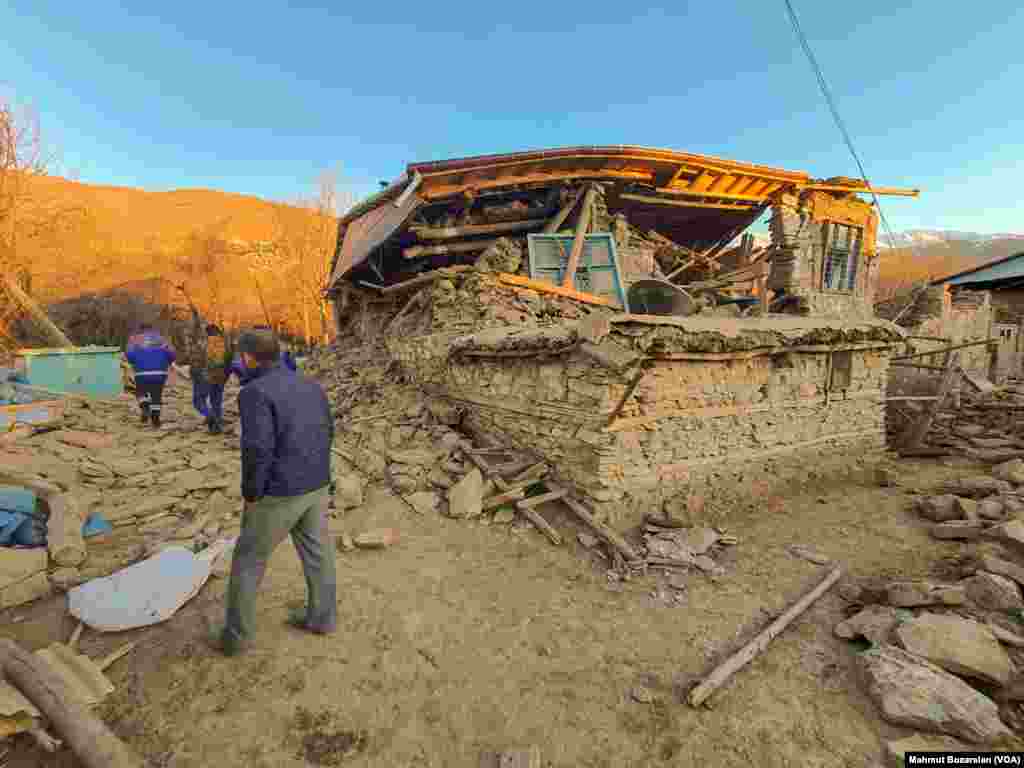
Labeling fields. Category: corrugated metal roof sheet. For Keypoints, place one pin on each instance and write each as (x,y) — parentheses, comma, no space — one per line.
(1009,268)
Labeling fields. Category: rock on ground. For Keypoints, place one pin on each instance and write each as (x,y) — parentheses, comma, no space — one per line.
(993,592)
(911,594)
(939,509)
(424,501)
(1001,568)
(967,509)
(466,497)
(348,491)
(896,750)
(1011,534)
(875,624)
(990,509)
(960,646)
(1010,471)
(914,693)
(977,487)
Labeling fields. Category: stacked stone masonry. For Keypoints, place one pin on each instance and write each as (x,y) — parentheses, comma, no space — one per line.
(686,419)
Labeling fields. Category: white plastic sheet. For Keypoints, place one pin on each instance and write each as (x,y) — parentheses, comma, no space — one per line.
(146,593)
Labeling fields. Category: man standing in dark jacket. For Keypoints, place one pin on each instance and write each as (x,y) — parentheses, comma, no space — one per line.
(287,431)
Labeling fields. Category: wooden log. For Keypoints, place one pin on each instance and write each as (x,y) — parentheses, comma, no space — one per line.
(64,531)
(603,532)
(449,233)
(914,436)
(544,498)
(417,251)
(90,740)
(570,293)
(426,277)
(944,350)
(540,524)
(559,218)
(586,212)
(747,653)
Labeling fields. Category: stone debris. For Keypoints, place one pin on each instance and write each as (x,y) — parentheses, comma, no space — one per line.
(641,694)
(1010,471)
(958,529)
(896,749)
(348,491)
(912,692)
(961,646)
(911,594)
(990,509)
(886,477)
(1010,533)
(465,499)
(976,487)
(586,540)
(939,509)
(1002,568)
(993,592)
(504,515)
(875,624)
(424,502)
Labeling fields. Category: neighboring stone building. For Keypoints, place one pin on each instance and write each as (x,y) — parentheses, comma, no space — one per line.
(628,409)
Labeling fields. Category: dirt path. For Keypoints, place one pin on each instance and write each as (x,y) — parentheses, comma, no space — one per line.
(466,637)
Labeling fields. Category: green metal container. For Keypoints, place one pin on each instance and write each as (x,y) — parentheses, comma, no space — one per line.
(94,371)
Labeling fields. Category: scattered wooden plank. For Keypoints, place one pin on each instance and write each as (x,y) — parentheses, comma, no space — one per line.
(605,533)
(541,287)
(416,251)
(540,524)
(944,350)
(747,653)
(426,277)
(544,498)
(91,741)
(120,653)
(914,436)
(449,233)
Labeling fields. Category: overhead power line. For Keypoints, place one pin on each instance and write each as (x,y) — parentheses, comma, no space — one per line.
(827,93)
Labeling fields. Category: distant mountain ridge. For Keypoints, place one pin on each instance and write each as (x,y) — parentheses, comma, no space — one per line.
(924,237)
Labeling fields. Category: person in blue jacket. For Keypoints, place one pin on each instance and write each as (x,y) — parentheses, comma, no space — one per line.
(151,356)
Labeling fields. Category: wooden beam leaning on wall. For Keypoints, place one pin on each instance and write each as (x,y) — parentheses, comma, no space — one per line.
(440,250)
(586,213)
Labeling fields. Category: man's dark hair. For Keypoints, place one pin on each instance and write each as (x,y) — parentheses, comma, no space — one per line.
(213,330)
(262,346)
(146,327)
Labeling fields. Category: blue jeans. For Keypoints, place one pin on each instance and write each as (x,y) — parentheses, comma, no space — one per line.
(215,394)
(207,398)
(200,392)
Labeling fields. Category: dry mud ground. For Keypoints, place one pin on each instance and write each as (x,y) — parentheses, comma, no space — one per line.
(465,637)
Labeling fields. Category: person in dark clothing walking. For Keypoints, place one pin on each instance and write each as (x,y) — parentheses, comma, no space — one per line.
(287,431)
(151,357)
(210,362)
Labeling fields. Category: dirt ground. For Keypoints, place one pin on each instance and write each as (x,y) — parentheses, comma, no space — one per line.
(466,637)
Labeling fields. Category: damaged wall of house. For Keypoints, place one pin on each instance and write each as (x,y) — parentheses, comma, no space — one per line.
(939,313)
(717,411)
(826,255)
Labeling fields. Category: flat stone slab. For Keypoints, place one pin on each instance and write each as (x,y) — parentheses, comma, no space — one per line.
(914,693)
(875,624)
(960,646)
(913,594)
(994,592)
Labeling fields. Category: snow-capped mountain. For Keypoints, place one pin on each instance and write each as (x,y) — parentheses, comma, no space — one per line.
(923,237)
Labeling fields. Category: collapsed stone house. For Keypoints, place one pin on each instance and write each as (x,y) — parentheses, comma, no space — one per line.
(461,268)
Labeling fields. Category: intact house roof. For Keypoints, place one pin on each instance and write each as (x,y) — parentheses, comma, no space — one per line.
(1002,273)
(692,199)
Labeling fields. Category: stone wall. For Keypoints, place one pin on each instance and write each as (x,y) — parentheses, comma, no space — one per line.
(797,228)
(687,420)
(961,318)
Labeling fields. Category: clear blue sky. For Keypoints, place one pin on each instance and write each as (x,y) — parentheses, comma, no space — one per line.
(259,99)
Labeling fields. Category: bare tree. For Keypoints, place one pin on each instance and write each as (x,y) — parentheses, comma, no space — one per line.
(302,250)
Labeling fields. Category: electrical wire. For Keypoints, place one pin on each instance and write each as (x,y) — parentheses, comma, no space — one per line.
(827,93)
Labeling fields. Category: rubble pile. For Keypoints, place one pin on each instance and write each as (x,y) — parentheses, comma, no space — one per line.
(946,656)
(155,488)
(987,426)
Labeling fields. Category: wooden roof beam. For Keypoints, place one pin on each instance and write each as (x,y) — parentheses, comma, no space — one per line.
(898,191)
(685,203)
(747,198)
(432,191)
